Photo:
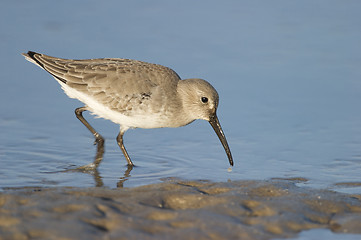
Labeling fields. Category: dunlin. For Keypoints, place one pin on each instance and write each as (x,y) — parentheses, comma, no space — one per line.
(133,94)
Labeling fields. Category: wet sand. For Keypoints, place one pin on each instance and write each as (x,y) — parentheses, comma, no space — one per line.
(177,209)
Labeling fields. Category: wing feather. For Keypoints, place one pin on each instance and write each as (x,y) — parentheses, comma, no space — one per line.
(113,82)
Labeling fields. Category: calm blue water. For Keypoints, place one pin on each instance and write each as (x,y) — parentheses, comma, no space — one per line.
(288,75)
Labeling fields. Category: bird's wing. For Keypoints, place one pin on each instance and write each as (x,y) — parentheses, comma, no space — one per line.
(111,81)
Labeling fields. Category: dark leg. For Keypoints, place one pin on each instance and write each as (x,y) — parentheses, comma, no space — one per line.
(99,140)
(121,145)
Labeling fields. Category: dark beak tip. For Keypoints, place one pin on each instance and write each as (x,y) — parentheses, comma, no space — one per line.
(218,129)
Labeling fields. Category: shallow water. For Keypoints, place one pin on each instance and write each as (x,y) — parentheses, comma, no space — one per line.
(315,234)
(288,76)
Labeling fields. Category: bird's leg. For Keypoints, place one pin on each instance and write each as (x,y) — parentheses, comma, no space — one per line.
(79,115)
(99,140)
(121,145)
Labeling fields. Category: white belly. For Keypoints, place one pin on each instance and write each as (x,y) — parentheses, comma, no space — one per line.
(137,120)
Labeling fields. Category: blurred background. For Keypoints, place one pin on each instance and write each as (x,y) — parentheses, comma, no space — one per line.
(287,72)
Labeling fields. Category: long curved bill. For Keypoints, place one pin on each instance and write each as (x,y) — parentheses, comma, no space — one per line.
(217,128)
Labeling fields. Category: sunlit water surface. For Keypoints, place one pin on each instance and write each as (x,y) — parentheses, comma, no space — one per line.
(288,76)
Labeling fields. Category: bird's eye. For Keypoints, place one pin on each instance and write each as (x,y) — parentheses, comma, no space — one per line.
(204,100)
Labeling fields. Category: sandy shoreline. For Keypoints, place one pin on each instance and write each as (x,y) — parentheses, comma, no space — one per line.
(177,209)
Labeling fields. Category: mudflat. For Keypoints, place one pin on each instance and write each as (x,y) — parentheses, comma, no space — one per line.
(177,209)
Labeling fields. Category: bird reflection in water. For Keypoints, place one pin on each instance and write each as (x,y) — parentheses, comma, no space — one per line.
(93,168)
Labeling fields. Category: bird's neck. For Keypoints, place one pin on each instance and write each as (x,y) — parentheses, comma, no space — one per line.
(184,90)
